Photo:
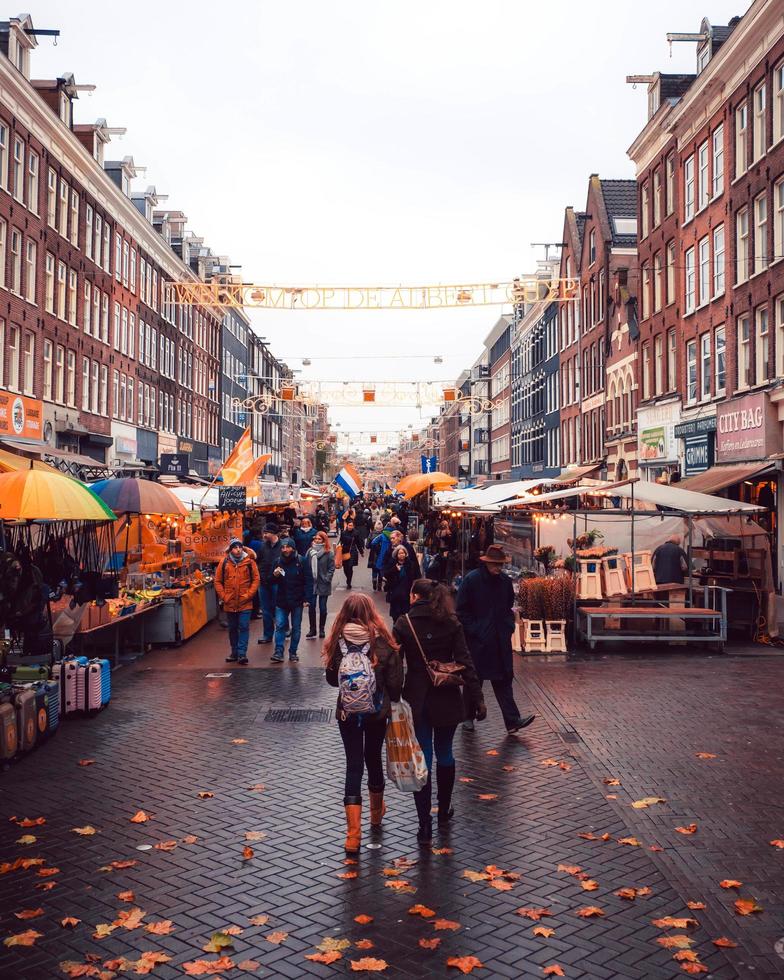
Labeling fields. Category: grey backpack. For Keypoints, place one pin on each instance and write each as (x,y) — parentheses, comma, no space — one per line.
(357,680)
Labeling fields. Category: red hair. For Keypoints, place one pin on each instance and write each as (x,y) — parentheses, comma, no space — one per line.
(324,537)
(357,608)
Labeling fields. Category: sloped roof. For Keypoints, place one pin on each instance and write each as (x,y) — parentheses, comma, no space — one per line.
(581,217)
(620,200)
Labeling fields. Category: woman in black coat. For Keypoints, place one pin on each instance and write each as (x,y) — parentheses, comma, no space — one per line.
(352,547)
(437,711)
(400,578)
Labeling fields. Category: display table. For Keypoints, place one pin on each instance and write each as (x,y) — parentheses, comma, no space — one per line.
(180,616)
(96,637)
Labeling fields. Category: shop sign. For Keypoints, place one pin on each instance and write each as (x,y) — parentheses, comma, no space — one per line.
(124,445)
(699,453)
(746,428)
(209,540)
(231,498)
(653,443)
(20,417)
(695,427)
(175,464)
(184,447)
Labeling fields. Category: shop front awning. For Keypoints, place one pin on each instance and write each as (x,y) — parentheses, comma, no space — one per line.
(577,472)
(720,477)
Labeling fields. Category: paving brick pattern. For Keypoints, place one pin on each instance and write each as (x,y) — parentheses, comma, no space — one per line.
(168,736)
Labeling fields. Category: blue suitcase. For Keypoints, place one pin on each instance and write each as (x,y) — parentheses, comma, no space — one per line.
(47,697)
(106,680)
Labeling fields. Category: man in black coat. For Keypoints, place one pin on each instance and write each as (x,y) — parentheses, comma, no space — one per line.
(267,557)
(289,574)
(397,540)
(484,607)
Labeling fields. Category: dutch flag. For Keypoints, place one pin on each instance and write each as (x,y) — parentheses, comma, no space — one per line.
(349,480)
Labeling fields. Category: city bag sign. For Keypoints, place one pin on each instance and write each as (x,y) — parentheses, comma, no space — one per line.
(746,428)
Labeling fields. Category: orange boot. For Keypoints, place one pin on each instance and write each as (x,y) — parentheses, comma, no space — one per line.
(353,808)
(377,807)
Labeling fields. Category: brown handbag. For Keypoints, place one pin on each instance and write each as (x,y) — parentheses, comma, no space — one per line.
(442,673)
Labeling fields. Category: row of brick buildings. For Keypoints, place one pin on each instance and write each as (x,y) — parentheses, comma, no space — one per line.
(99,369)
(669,362)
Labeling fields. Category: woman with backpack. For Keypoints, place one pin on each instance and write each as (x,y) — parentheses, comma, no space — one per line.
(363,662)
(433,645)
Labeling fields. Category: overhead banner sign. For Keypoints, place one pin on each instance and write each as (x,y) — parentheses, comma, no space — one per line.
(20,417)
(229,294)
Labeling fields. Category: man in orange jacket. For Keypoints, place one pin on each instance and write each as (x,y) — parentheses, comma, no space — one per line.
(236,583)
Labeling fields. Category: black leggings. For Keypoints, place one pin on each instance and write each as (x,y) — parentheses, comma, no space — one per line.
(363,743)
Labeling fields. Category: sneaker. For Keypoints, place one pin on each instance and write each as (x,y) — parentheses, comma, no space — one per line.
(231,660)
(310,636)
(322,635)
(275,659)
(293,658)
(264,639)
(243,661)
(520,723)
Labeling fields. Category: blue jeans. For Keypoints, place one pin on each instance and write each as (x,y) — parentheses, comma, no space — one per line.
(239,628)
(267,596)
(282,617)
(438,737)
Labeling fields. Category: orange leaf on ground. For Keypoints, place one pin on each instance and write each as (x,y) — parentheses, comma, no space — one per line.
(570,869)
(248,965)
(487,796)
(276,938)
(475,876)
(27,839)
(442,850)
(777,843)
(422,910)
(686,956)
(26,938)
(611,781)
(329,957)
(544,931)
(205,795)
(363,919)
(466,779)
(166,845)
(675,942)
(696,906)
(668,922)
(162,928)
(654,847)
(69,922)
(590,885)
(29,822)
(368,964)
(202,968)
(399,885)
(348,875)
(440,924)
(465,964)
(391,872)
(119,865)
(29,913)
(730,883)
(126,896)
(631,841)
(690,828)
(501,886)
(258,920)
(139,817)
(509,768)
(239,741)
(723,943)
(104,929)
(647,801)
(46,886)
(255,835)
(746,906)
(564,766)
(430,943)
(628,893)
(190,839)
(590,912)
(364,944)
(247,853)
(86,762)
(706,755)
(694,968)
(87,831)
(549,762)
(534,914)
(232,931)
(492,752)
(47,872)
(130,918)
(256,788)
(553,970)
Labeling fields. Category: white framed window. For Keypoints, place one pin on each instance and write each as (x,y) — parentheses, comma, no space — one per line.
(51,198)
(28,364)
(104,406)
(742,245)
(49,283)
(691,372)
(97,313)
(690,281)
(717,144)
(741,138)
(704,189)
(14,349)
(670,272)
(87,308)
(17,188)
(705,277)
(705,366)
(116,394)
(4,156)
(761,344)
(760,233)
(646,371)
(105,318)
(657,282)
(129,403)
(31,267)
(744,351)
(758,134)
(94,388)
(16,261)
(116,326)
(85,384)
(592,247)
(48,367)
(126,261)
(658,364)
(718,260)
(720,362)
(672,359)
(133,270)
(645,204)
(131,333)
(70,378)
(59,388)
(657,195)
(97,239)
(63,216)
(107,248)
(124,331)
(88,231)
(32,181)
(646,291)
(778,310)
(778,219)
(3,237)
(688,188)
(117,256)
(73,287)
(669,184)
(61,289)
(777,101)
(74,216)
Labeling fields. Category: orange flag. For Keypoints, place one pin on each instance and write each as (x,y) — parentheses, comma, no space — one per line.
(239,461)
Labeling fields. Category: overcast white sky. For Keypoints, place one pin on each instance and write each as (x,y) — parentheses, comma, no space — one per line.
(364,143)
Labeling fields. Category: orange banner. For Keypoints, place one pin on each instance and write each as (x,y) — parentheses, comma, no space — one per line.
(194,610)
(20,417)
(210,539)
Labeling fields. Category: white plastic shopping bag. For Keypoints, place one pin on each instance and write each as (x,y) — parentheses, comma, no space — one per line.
(406,766)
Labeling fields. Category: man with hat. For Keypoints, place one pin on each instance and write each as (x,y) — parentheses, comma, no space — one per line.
(236,582)
(267,558)
(484,607)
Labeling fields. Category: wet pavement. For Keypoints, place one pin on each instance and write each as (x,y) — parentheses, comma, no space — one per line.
(262,747)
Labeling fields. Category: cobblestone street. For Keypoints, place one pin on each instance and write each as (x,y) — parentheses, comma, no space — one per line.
(261,744)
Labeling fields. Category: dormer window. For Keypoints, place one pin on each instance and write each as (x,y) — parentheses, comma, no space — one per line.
(703,57)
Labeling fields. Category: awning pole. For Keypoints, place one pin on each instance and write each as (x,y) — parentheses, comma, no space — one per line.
(632,542)
(576,574)
(688,558)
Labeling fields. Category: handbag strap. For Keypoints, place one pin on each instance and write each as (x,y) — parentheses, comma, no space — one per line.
(419,645)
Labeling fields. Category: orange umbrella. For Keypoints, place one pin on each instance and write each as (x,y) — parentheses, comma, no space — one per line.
(417,483)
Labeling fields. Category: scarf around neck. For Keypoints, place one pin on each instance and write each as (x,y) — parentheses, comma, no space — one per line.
(356,633)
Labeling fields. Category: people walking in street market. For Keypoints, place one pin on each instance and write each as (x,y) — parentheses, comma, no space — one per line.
(431,632)
(670,562)
(400,576)
(253,540)
(319,570)
(362,661)
(397,540)
(236,582)
(352,547)
(304,535)
(289,573)
(484,607)
(374,547)
(267,558)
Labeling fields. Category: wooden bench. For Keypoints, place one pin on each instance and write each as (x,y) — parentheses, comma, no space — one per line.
(714,622)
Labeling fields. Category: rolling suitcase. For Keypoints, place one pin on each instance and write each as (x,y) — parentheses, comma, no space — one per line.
(106,680)
(47,702)
(9,737)
(30,673)
(26,721)
(68,677)
(92,686)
